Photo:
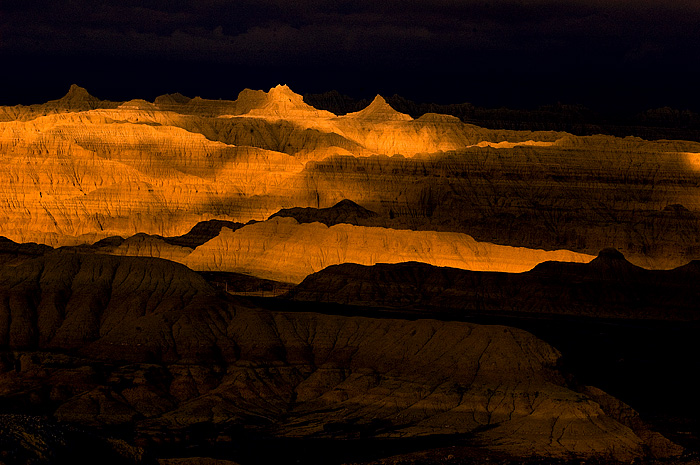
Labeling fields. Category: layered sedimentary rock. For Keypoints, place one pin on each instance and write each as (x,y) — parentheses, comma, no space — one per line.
(282,249)
(584,194)
(86,174)
(80,170)
(144,342)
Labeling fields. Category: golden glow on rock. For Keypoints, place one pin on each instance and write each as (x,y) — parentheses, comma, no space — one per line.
(692,159)
(78,170)
(284,250)
(510,145)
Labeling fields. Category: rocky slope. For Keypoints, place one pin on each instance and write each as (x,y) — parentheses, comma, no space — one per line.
(147,345)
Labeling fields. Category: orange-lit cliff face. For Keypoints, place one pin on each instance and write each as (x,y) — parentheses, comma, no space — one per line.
(281,249)
(79,169)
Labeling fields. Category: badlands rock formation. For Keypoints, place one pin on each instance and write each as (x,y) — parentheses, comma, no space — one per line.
(283,250)
(80,169)
(147,345)
(608,287)
(110,335)
(76,100)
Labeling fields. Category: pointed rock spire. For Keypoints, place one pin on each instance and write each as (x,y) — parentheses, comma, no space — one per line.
(280,101)
(283,91)
(78,98)
(77,91)
(379,109)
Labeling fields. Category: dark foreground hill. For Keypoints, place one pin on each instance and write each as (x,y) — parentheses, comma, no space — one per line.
(608,287)
(144,349)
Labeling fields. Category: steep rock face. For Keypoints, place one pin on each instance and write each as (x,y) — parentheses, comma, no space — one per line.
(584,194)
(83,173)
(284,250)
(175,354)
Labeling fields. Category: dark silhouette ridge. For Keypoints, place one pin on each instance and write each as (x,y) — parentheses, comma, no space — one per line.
(112,241)
(202,232)
(199,234)
(345,211)
(607,287)
(12,251)
(242,284)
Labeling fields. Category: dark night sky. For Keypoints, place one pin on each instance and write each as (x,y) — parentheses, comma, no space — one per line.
(518,53)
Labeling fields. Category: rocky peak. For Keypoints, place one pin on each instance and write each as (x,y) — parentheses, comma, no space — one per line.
(284,96)
(282,91)
(279,101)
(249,99)
(379,109)
(172,99)
(76,91)
(613,263)
(78,98)
(611,255)
(345,211)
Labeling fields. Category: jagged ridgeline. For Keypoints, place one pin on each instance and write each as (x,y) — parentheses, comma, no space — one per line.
(79,170)
(607,287)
